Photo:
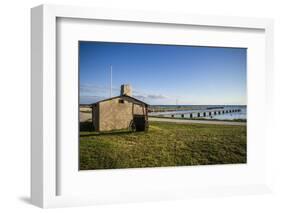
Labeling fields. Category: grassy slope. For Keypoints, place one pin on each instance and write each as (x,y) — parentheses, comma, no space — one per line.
(165,144)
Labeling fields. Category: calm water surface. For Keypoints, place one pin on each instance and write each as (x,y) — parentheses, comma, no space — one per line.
(205,108)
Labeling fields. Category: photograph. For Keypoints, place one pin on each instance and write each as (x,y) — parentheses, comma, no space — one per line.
(147,105)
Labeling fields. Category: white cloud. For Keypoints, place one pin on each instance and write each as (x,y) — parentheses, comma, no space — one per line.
(152,96)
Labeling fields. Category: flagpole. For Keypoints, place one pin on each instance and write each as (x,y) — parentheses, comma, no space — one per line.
(110,80)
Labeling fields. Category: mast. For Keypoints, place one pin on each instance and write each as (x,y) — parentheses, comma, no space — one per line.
(110,81)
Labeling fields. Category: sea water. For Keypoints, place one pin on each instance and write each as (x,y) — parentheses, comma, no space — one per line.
(242,114)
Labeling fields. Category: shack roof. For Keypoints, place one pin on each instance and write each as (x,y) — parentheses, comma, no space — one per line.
(122,96)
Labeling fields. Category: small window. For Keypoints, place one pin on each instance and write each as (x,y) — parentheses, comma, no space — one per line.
(121,101)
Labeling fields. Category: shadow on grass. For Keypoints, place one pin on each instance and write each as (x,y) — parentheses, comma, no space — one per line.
(88,127)
(107,133)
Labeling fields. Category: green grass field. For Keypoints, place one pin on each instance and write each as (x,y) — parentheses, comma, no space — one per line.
(165,144)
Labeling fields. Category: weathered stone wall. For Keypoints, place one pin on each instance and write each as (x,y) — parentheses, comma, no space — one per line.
(117,113)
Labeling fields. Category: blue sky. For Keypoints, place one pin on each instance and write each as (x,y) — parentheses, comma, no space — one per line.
(163,74)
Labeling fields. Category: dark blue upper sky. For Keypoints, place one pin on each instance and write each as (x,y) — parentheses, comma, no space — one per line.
(163,74)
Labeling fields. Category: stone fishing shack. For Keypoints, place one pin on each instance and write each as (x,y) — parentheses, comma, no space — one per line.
(120,112)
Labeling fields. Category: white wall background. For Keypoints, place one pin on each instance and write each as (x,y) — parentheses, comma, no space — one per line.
(15,104)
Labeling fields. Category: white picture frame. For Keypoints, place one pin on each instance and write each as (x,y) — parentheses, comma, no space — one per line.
(45,168)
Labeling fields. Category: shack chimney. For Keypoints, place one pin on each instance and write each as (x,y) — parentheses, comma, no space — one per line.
(126,89)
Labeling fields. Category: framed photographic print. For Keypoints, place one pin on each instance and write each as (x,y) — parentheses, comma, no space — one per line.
(130,106)
(176,85)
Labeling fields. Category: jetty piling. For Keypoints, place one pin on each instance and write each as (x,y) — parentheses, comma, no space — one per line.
(202,113)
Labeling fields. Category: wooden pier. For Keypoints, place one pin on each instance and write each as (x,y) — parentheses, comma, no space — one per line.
(207,113)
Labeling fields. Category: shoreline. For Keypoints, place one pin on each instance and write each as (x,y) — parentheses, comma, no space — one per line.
(197,121)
